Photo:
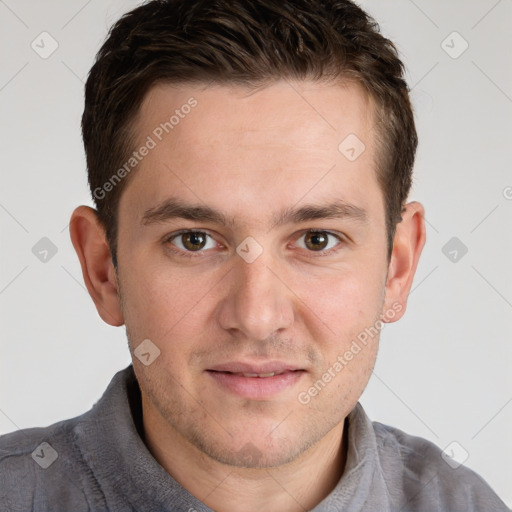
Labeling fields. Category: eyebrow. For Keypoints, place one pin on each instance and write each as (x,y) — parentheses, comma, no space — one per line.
(175,208)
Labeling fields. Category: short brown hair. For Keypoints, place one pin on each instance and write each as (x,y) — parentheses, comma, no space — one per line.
(246,42)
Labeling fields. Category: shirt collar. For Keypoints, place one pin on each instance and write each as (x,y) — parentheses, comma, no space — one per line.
(110,437)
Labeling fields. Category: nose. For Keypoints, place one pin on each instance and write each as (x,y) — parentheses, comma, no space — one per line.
(258,302)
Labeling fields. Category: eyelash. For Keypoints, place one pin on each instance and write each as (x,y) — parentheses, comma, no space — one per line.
(195,254)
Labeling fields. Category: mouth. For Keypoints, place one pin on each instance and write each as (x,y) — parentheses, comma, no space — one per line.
(256,382)
(254,374)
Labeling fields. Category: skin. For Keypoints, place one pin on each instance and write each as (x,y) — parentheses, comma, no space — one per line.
(251,154)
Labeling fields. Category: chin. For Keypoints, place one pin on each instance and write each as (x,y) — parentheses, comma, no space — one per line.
(254,448)
(253,456)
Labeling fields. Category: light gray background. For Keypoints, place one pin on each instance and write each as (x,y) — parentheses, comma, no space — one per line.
(443,371)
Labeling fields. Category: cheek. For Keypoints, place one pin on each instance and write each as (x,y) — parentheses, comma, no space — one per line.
(343,316)
(345,301)
(168,307)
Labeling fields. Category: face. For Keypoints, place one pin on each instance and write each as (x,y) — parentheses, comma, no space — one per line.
(252,255)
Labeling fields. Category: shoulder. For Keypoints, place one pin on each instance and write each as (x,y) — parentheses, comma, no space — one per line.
(45,468)
(428,477)
(40,466)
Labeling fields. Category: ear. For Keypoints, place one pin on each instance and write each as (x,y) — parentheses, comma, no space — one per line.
(407,246)
(90,243)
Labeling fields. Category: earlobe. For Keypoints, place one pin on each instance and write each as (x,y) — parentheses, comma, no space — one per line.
(90,243)
(407,246)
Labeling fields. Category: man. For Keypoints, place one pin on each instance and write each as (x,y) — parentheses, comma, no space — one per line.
(250,163)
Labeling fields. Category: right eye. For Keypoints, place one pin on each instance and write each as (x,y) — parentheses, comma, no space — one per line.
(192,241)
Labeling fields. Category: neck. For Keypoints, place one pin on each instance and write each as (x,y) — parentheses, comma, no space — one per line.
(296,486)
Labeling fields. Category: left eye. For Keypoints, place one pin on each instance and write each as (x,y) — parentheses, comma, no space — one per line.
(318,241)
(193,241)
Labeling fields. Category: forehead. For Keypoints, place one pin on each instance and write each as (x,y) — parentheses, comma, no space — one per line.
(234,147)
(290,110)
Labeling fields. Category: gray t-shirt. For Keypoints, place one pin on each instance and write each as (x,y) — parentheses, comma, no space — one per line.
(98,462)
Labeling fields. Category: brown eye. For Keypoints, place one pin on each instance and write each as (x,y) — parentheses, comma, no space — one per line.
(193,241)
(316,241)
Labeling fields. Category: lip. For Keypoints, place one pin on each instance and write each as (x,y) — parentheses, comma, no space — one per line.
(256,384)
(266,367)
